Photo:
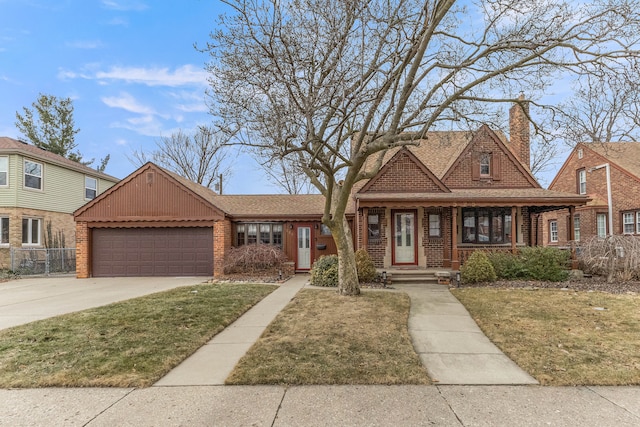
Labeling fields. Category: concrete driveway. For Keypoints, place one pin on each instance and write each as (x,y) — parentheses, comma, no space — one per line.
(25,300)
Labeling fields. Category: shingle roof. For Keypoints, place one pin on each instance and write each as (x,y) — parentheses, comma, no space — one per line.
(274,205)
(10,145)
(625,154)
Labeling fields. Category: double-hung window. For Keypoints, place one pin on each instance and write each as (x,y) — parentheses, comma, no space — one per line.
(4,231)
(485,164)
(553,231)
(33,175)
(576,228)
(628,223)
(31,229)
(90,188)
(582,181)
(4,171)
(601,224)
(434,225)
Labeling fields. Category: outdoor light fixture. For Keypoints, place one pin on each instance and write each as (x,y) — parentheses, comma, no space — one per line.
(457,278)
(384,277)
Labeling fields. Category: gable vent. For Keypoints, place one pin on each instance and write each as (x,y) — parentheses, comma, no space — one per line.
(150,177)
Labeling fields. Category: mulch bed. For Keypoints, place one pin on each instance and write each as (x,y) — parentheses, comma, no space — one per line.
(595,283)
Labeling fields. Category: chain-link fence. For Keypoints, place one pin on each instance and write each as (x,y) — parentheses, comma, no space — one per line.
(43,261)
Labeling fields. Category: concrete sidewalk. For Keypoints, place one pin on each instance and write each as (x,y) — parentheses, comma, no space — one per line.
(451,345)
(212,363)
(323,406)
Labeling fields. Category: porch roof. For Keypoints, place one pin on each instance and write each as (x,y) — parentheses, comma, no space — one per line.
(532,197)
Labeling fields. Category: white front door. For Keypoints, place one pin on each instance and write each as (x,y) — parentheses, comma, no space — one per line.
(404,238)
(304,248)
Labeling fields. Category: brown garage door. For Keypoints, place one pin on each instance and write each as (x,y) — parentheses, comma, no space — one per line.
(133,252)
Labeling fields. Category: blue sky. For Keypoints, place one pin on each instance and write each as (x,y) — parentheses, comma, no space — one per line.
(129,66)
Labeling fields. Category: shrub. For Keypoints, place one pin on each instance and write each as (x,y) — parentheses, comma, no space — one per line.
(617,257)
(251,259)
(325,271)
(507,265)
(364,264)
(477,268)
(542,263)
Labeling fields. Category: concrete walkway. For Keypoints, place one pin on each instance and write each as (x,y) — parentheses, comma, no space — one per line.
(214,361)
(450,344)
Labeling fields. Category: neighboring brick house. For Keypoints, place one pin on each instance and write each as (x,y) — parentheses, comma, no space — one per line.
(585,172)
(39,191)
(430,205)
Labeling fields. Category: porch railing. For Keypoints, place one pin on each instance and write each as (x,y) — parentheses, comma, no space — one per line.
(32,261)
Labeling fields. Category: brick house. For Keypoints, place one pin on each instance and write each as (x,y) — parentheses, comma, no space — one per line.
(609,211)
(430,205)
(39,191)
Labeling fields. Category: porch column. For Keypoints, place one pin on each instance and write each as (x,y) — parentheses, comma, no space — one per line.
(455,262)
(82,250)
(365,228)
(514,229)
(572,238)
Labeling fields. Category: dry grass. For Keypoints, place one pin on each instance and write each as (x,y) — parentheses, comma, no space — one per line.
(128,344)
(562,337)
(323,338)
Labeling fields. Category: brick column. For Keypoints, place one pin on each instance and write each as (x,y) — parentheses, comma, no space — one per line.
(221,245)
(82,250)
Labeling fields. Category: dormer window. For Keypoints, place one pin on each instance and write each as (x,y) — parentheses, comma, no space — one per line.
(485,164)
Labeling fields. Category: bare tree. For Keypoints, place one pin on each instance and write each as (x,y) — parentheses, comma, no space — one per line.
(286,174)
(334,84)
(200,156)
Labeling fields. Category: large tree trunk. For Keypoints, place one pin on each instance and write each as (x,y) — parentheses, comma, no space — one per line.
(347,273)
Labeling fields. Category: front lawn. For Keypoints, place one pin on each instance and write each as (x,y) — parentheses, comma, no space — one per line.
(562,337)
(127,344)
(324,338)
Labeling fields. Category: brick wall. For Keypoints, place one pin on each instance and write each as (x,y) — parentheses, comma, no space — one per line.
(222,239)
(377,248)
(434,246)
(82,250)
(403,175)
(519,131)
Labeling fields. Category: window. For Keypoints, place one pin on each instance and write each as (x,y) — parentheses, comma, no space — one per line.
(32,175)
(4,171)
(576,228)
(580,153)
(601,225)
(373,222)
(265,233)
(4,231)
(30,231)
(582,181)
(324,230)
(485,164)
(90,188)
(434,225)
(638,221)
(628,223)
(486,226)
(553,231)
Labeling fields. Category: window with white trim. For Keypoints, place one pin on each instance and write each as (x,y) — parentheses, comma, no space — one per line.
(31,230)
(553,231)
(90,188)
(485,164)
(4,230)
(434,225)
(33,175)
(582,181)
(628,223)
(4,171)
(601,225)
(576,228)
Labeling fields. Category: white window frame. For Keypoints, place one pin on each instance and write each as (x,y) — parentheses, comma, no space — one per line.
(25,174)
(553,231)
(5,171)
(434,225)
(582,181)
(638,221)
(601,225)
(87,188)
(485,162)
(628,223)
(576,228)
(580,153)
(4,228)
(30,241)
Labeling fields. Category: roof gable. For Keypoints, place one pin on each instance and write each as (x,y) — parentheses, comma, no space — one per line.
(485,140)
(151,193)
(404,173)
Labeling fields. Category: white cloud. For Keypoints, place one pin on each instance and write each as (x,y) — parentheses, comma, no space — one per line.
(193,108)
(124,5)
(121,142)
(119,21)
(127,102)
(182,76)
(85,44)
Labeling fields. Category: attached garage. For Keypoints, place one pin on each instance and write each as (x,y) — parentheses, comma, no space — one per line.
(152,252)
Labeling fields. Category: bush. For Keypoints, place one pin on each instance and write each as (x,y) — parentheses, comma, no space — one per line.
(617,257)
(477,268)
(325,271)
(364,264)
(251,259)
(507,265)
(542,263)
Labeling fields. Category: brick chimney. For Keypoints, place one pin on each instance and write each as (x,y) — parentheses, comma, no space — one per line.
(519,132)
